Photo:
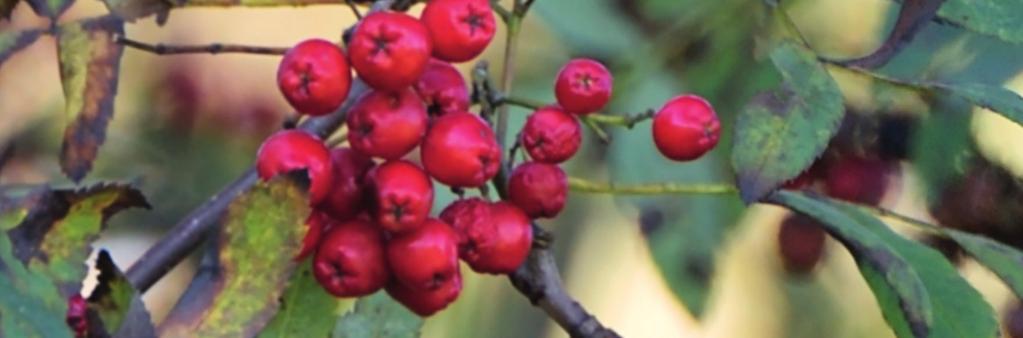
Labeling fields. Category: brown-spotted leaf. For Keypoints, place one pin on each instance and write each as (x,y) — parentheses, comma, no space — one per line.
(55,237)
(237,296)
(117,304)
(89,58)
(13,41)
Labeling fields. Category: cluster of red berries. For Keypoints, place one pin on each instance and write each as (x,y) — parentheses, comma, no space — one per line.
(370,227)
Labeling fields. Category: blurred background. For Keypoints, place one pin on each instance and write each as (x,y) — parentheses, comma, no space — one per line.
(665,266)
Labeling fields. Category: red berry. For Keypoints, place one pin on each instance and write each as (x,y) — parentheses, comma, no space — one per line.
(539,189)
(314,77)
(389,50)
(426,303)
(461,150)
(686,128)
(293,149)
(460,29)
(402,196)
(857,179)
(387,124)
(443,89)
(318,224)
(550,135)
(583,86)
(425,259)
(346,196)
(77,315)
(493,238)
(801,243)
(470,218)
(350,261)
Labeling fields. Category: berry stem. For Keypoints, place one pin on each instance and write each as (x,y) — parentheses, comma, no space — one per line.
(214,48)
(597,130)
(585,186)
(627,120)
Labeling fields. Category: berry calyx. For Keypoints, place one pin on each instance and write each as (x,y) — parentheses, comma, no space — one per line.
(551,135)
(442,89)
(77,315)
(460,150)
(460,29)
(318,223)
(314,77)
(426,302)
(387,124)
(801,244)
(402,196)
(350,261)
(290,150)
(345,199)
(390,50)
(583,86)
(686,128)
(426,258)
(539,189)
(857,179)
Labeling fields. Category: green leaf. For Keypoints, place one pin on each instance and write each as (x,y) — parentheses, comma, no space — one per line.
(920,293)
(89,60)
(1005,261)
(30,305)
(13,41)
(996,98)
(50,8)
(306,309)
(378,316)
(781,132)
(117,303)
(262,234)
(999,18)
(55,237)
(131,10)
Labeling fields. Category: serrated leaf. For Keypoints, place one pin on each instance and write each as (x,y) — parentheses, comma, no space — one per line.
(50,8)
(131,10)
(780,133)
(118,304)
(1005,261)
(306,309)
(55,237)
(262,233)
(913,15)
(998,18)
(90,60)
(378,316)
(996,98)
(13,41)
(912,283)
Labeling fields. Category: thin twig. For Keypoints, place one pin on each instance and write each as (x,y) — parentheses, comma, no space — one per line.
(585,186)
(597,130)
(355,9)
(215,48)
(627,121)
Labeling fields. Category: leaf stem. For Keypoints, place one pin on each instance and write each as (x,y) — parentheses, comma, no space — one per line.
(214,48)
(585,186)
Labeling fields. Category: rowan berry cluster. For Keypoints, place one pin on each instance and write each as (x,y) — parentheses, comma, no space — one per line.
(371,226)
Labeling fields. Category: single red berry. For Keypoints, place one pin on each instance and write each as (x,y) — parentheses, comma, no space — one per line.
(493,238)
(314,77)
(539,189)
(387,124)
(460,29)
(77,315)
(346,196)
(857,179)
(350,261)
(426,303)
(402,196)
(318,223)
(686,128)
(550,135)
(1013,321)
(583,86)
(293,149)
(470,217)
(443,89)
(426,258)
(390,50)
(801,243)
(460,150)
